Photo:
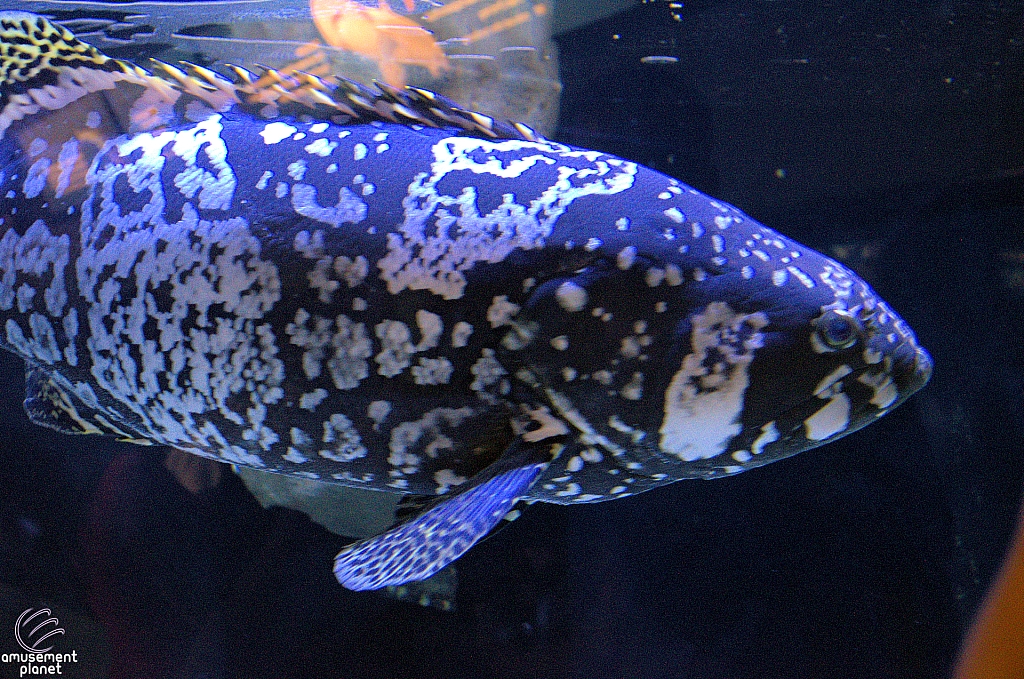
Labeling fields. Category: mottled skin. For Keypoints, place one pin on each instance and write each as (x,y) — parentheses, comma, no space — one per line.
(396,306)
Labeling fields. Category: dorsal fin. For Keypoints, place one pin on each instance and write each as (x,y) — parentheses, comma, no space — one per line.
(43,66)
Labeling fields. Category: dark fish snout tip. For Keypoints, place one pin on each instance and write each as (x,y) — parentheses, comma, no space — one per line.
(917,371)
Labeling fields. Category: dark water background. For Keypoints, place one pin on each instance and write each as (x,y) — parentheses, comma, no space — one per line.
(900,129)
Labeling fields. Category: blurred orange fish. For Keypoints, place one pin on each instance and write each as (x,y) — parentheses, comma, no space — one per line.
(994,647)
(390,39)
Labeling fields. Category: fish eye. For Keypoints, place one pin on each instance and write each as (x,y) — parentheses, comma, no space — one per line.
(838,329)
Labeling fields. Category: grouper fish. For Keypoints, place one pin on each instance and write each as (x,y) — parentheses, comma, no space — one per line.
(373,287)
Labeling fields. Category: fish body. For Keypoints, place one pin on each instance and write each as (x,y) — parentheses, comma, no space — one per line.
(384,291)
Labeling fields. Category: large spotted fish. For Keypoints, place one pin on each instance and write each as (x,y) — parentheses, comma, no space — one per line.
(378,289)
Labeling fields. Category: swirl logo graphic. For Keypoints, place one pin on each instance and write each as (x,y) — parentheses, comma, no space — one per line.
(34,627)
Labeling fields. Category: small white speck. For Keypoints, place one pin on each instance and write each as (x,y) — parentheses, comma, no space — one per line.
(561,343)
(359,151)
(460,334)
(294,456)
(804,279)
(297,170)
(501,311)
(276,132)
(659,60)
(571,489)
(571,296)
(320,147)
(626,257)
(311,400)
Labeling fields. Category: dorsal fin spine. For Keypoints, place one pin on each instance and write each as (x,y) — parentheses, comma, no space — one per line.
(268,92)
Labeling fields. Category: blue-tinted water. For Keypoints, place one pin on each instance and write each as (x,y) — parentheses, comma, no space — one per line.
(890,135)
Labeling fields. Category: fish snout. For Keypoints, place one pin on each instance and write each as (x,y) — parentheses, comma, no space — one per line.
(911,368)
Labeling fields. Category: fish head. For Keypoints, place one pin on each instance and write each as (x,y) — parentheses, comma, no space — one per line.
(704,345)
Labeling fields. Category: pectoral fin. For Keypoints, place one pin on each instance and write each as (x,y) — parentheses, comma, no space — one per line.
(49,405)
(446,528)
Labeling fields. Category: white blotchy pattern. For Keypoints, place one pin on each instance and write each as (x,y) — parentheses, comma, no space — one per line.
(444,235)
(344,344)
(38,254)
(703,403)
(199,283)
(409,435)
